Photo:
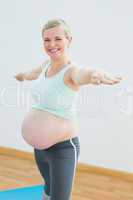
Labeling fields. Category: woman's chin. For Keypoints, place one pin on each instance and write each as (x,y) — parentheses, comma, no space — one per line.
(55,56)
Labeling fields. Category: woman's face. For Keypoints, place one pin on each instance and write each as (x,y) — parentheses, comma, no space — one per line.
(55,42)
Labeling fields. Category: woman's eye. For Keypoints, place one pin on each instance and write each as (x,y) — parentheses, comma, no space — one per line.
(58,38)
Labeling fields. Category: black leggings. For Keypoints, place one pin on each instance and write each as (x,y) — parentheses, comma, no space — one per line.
(57,166)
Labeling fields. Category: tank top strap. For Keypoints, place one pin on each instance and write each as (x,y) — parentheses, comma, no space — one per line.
(63,71)
(45,67)
(66,68)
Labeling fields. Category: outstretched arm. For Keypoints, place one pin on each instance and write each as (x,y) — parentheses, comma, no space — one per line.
(30,75)
(91,76)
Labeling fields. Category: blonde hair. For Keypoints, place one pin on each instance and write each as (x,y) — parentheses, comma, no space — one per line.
(57,22)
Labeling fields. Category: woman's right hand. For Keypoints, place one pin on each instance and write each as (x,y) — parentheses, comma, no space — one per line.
(19,76)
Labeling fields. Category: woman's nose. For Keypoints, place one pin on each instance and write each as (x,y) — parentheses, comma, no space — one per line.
(52,43)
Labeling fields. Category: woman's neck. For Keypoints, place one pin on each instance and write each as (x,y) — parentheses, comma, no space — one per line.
(58,63)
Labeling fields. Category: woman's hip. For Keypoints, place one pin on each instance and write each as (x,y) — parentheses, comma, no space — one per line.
(68,149)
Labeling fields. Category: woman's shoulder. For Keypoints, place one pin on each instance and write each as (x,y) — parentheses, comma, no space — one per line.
(74,68)
(72,73)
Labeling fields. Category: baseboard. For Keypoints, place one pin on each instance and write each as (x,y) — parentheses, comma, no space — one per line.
(82,167)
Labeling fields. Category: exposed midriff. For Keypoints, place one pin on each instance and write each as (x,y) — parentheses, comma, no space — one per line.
(41,129)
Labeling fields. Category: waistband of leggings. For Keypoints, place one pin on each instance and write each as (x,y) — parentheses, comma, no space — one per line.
(74,140)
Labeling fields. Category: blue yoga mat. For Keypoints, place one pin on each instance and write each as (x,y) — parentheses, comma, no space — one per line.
(25,193)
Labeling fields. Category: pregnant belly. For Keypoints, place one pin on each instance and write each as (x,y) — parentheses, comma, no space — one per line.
(42,129)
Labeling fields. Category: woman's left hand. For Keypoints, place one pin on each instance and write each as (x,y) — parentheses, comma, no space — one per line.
(101,77)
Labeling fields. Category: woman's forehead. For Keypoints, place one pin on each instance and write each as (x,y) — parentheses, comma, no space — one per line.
(53,32)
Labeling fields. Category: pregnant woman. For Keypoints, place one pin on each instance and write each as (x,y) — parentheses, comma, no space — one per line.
(51,126)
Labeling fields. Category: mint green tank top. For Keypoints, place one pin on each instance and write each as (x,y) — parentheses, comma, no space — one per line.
(51,94)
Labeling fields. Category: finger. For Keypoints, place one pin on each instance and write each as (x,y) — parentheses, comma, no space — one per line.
(107,82)
(119,77)
(110,76)
(114,79)
(110,81)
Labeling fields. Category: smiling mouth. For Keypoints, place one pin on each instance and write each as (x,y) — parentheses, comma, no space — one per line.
(53,51)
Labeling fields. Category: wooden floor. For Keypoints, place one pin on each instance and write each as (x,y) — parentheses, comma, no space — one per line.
(19,172)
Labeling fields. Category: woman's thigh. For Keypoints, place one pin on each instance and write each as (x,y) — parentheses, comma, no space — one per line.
(63,162)
(57,166)
(43,167)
